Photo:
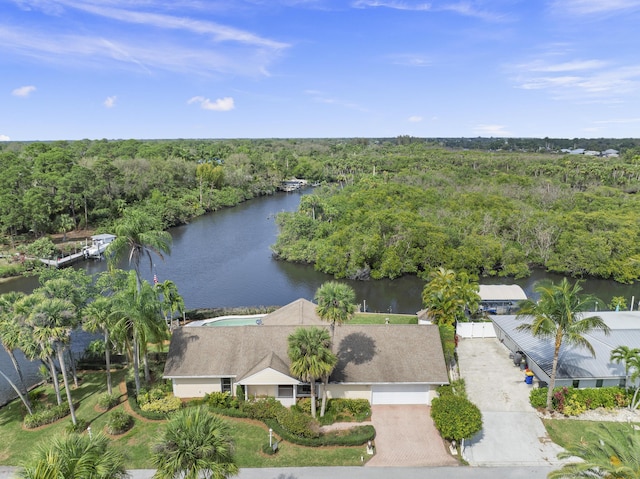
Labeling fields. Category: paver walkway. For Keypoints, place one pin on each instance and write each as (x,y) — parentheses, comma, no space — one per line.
(512,433)
(407,437)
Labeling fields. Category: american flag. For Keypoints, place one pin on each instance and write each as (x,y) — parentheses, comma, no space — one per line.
(155,279)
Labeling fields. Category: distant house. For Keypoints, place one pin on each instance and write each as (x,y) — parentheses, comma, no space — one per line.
(576,366)
(385,364)
(610,153)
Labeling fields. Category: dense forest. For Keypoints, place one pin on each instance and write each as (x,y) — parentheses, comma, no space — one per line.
(388,207)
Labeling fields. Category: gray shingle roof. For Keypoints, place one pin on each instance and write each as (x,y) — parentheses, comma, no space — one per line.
(366,353)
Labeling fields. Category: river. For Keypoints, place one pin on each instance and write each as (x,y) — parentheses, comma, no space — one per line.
(224,259)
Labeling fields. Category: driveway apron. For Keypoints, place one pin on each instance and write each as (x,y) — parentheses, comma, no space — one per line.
(512,432)
(407,437)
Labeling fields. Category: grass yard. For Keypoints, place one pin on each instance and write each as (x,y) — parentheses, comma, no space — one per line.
(380,318)
(566,432)
(17,443)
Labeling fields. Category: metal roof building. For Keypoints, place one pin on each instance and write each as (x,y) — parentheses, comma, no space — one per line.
(500,298)
(576,366)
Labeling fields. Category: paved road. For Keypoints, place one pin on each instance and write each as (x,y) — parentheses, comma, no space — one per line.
(367,473)
(512,433)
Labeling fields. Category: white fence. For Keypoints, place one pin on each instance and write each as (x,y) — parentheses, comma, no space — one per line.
(476,330)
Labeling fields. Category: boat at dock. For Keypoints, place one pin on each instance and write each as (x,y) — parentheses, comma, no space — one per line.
(293,184)
(95,250)
(99,244)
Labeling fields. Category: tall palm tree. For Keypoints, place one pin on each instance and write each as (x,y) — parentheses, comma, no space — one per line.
(11,337)
(137,320)
(625,355)
(448,295)
(195,444)
(613,452)
(172,302)
(559,315)
(137,235)
(97,316)
(311,357)
(52,320)
(336,305)
(75,456)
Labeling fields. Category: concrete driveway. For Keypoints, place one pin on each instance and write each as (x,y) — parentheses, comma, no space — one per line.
(512,433)
(407,437)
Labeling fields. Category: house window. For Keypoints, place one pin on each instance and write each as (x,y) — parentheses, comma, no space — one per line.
(225,384)
(304,390)
(576,383)
(599,383)
(285,391)
(622,383)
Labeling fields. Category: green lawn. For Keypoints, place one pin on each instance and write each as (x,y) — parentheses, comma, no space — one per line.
(380,318)
(566,432)
(17,443)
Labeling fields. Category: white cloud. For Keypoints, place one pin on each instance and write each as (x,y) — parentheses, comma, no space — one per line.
(591,7)
(110,102)
(24,91)
(410,60)
(464,8)
(415,119)
(4,138)
(221,104)
(491,130)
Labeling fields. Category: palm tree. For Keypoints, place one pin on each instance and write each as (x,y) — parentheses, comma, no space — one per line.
(448,295)
(137,320)
(195,444)
(97,316)
(172,302)
(74,456)
(311,357)
(11,337)
(613,452)
(137,235)
(336,305)
(626,355)
(559,315)
(52,320)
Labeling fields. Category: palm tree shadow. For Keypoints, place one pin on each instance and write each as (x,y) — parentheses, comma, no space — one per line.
(356,349)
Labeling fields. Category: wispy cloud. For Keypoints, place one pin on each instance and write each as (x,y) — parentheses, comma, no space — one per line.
(584,80)
(4,138)
(618,121)
(491,130)
(24,91)
(415,119)
(322,97)
(410,60)
(221,104)
(110,102)
(592,7)
(464,8)
(180,43)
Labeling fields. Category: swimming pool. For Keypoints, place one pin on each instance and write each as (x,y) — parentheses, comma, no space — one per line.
(246,320)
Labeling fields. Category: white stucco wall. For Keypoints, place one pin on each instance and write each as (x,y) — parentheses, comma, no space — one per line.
(349,391)
(195,387)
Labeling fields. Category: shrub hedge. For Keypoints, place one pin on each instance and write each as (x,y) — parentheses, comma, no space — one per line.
(456,417)
(46,416)
(573,402)
(119,422)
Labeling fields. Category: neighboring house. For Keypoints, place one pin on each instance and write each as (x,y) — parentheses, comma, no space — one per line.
(385,364)
(500,298)
(576,366)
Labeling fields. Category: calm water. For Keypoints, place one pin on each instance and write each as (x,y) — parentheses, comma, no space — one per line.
(224,260)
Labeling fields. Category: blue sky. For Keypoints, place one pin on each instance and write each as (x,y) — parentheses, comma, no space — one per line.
(73,69)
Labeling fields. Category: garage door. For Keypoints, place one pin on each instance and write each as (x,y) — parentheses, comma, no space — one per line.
(400,394)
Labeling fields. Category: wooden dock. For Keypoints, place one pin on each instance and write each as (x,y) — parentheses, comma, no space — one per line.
(64,261)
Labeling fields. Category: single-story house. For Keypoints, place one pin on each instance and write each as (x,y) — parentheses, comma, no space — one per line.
(576,366)
(500,298)
(385,364)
